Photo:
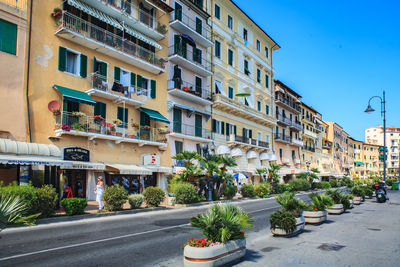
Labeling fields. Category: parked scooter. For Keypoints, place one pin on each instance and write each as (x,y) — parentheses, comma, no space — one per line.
(380,192)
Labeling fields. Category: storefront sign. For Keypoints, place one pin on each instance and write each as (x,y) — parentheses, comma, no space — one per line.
(151,160)
(76,154)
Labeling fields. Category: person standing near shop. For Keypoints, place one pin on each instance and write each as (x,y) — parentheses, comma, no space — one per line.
(99,192)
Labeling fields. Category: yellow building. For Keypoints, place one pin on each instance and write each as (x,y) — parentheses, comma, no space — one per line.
(366,159)
(311,128)
(97,91)
(339,139)
(324,157)
(243,118)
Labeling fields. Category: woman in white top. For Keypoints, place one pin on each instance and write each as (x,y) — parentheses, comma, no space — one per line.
(99,192)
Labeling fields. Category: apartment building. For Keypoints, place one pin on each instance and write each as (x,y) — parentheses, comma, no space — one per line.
(189,75)
(339,139)
(374,135)
(324,151)
(366,157)
(288,130)
(243,119)
(309,136)
(97,91)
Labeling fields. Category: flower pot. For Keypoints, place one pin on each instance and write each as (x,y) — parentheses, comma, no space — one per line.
(357,200)
(336,209)
(315,216)
(215,256)
(119,134)
(351,203)
(300,223)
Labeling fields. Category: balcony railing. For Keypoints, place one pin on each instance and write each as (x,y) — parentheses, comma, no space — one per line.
(284,138)
(203,30)
(329,145)
(246,140)
(297,125)
(309,133)
(197,59)
(288,103)
(18,4)
(93,125)
(190,130)
(189,88)
(95,33)
(283,119)
(309,148)
(99,82)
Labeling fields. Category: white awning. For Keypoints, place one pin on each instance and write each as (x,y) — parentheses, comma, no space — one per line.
(162,169)
(95,13)
(142,37)
(223,150)
(8,146)
(129,169)
(264,156)
(236,152)
(30,160)
(252,154)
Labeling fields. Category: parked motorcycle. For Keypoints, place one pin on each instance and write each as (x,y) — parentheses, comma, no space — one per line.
(380,192)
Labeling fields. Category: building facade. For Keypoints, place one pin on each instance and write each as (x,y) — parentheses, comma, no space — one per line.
(243,119)
(324,154)
(309,137)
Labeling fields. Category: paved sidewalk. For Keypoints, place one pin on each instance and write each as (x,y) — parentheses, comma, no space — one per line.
(367,235)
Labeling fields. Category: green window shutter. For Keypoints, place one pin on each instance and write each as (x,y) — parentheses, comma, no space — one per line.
(227,129)
(217,49)
(177,46)
(122,114)
(222,127)
(194,54)
(133,79)
(230,57)
(8,37)
(199,25)
(178,147)
(139,81)
(213,125)
(199,55)
(198,122)
(103,69)
(153,89)
(83,66)
(198,149)
(250,133)
(230,92)
(178,11)
(62,58)
(217,12)
(117,74)
(234,130)
(100,109)
(94,65)
(177,120)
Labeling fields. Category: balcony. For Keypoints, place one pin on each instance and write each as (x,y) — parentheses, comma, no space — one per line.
(309,148)
(190,92)
(184,24)
(319,128)
(131,15)
(283,138)
(116,92)
(309,134)
(283,120)
(18,4)
(91,36)
(93,127)
(189,132)
(185,58)
(357,151)
(245,142)
(280,100)
(297,142)
(235,108)
(296,125)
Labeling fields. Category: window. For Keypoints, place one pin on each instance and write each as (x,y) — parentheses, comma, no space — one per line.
(230,57)
(277,131)
(230,129)
(245,35)
(122,115)
(246,102)
(258,105)
(230,22)
(8,37)
(199,26)
(72,62)
(258,75)
(293,155)
(246,67)
(178,147)
(178,11)
(230,92)
(267,138)
(217,11)
(217,126)
(280,153)
(266,81)
(267,109)
(259,136)
(217,49)
(266,52)
(258,45)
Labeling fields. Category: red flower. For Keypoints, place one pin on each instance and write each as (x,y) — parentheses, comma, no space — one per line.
(192,238)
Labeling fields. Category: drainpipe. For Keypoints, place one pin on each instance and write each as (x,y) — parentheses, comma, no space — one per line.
(27,70)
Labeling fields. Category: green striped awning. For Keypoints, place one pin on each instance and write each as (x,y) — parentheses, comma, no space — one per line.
(75,95)
(358,162)
(95,13)
(154,115)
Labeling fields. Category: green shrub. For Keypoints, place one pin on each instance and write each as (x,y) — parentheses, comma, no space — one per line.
(214,196)
(114,197)
(289,203)
(299,184)
(346,181)
(339,198)
(247,190)
(230,191)
(185,193)
(26,193)
(333,183)
(263,189)
(11,210)
(320,201)
(317,185)
(47,200)
(368,191)
(222,222)
(359,191)
(74,206)
(280,188)
(153,196)
(325,185)
(135,200)
(283,219)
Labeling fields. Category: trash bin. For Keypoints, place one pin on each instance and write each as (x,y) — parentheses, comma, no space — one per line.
(395,185)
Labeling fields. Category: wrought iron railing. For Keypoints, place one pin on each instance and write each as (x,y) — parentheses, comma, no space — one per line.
(204,30)
(191,130)
(187,87)
(200,60)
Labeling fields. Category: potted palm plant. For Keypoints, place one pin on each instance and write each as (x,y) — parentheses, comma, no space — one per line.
(341,202)
(316,212)
(358,194)
(288,221)
(223,226)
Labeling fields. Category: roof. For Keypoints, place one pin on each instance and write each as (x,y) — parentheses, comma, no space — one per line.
(287,88)
(255,24)
(163,5)
(309,107)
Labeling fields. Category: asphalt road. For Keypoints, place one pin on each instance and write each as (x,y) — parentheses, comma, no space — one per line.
(144,239)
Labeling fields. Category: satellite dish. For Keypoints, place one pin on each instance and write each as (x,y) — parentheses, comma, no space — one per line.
(54,105)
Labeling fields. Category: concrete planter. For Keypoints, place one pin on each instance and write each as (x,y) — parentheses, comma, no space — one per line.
(215,256)
(300,224)
(357,200)
(351,203)
(336,209)
(315,216)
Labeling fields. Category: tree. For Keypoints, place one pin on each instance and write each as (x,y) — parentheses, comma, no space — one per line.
(273,176)
(192,170)
(260,172)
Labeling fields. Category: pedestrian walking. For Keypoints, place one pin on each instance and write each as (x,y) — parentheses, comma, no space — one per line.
(99,192)
(239,189)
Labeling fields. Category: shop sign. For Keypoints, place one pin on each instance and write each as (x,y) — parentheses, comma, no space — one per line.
(76,154)
(151,160)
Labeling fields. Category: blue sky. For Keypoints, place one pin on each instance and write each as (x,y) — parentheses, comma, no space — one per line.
(336,54)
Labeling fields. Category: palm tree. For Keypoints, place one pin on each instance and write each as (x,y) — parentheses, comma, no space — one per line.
(261,172)
(273,176)
(11,212)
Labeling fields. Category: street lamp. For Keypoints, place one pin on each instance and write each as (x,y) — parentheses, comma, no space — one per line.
(383,114)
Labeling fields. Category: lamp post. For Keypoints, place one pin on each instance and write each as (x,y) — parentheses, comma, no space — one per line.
(383,114)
